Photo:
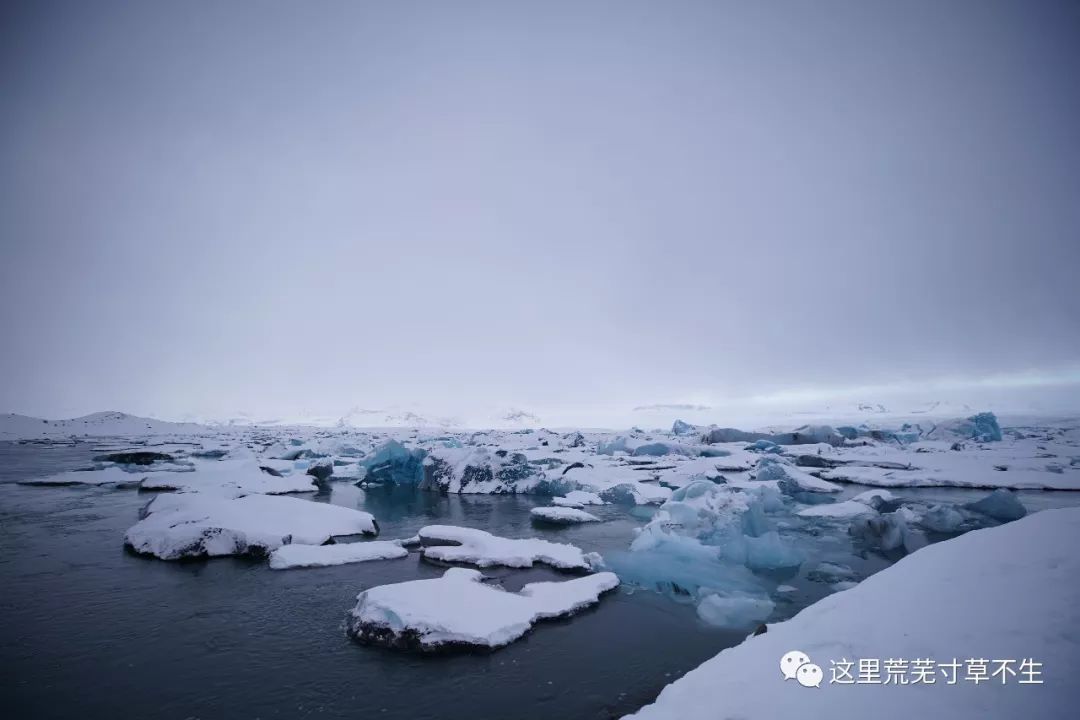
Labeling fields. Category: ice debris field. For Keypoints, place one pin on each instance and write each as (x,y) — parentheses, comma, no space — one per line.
(734,522)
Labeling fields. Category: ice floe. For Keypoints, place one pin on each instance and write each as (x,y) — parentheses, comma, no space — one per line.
(307,556)
(241,476)
(578,499)
(562,515)
(448,543)
(460,610)
(188,525)
(109,476)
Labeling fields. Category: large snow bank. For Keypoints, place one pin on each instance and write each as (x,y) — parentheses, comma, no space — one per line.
(1005,593)
(459,610)
(186,525)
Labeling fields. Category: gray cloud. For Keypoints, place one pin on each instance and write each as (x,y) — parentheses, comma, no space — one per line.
(281,208)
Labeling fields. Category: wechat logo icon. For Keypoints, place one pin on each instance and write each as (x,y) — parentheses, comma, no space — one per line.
(796,665)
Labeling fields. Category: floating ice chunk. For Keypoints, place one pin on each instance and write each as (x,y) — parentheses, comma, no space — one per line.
(573,440)
(846,509)
(791,479)
(659,448)
(870,497)
(764,446)
(707,533)
(680,567)
(346,471)
(888,532)
(481,471)
(235,477)
(562,515)
(578,499)
(307,556)
(736,611)
(805,435)
(830,572)
(448,543)
(809,435)
(943,519)
(458,610)
(135,457)
(110,476)
(394,464)
(982,427)
(612,446)
(205,525)
(683,428)
(727,435)
(1000,505)
(632,493)
(768,552)
(321,471)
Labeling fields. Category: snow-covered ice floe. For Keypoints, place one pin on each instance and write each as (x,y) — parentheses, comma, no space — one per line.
(459,610)
(562,515)
(1004,593)
(287,557)
(448,543)
(862,504)
(577,499)
(231,476)
(187,525)
(110,476)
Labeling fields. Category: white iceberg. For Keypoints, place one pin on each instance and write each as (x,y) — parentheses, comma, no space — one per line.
(448,543)
(736,611)
(185,525)
(306,556)
(562,515)
(459,610)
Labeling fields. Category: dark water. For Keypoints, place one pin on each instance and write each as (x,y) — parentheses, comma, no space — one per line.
(90,630)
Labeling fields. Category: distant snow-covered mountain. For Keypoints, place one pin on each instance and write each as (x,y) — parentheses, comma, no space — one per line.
(100,424)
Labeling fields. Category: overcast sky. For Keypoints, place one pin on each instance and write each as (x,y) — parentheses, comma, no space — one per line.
(286,208)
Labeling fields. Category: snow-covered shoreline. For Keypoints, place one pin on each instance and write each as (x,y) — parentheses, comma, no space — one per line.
(1004,593)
